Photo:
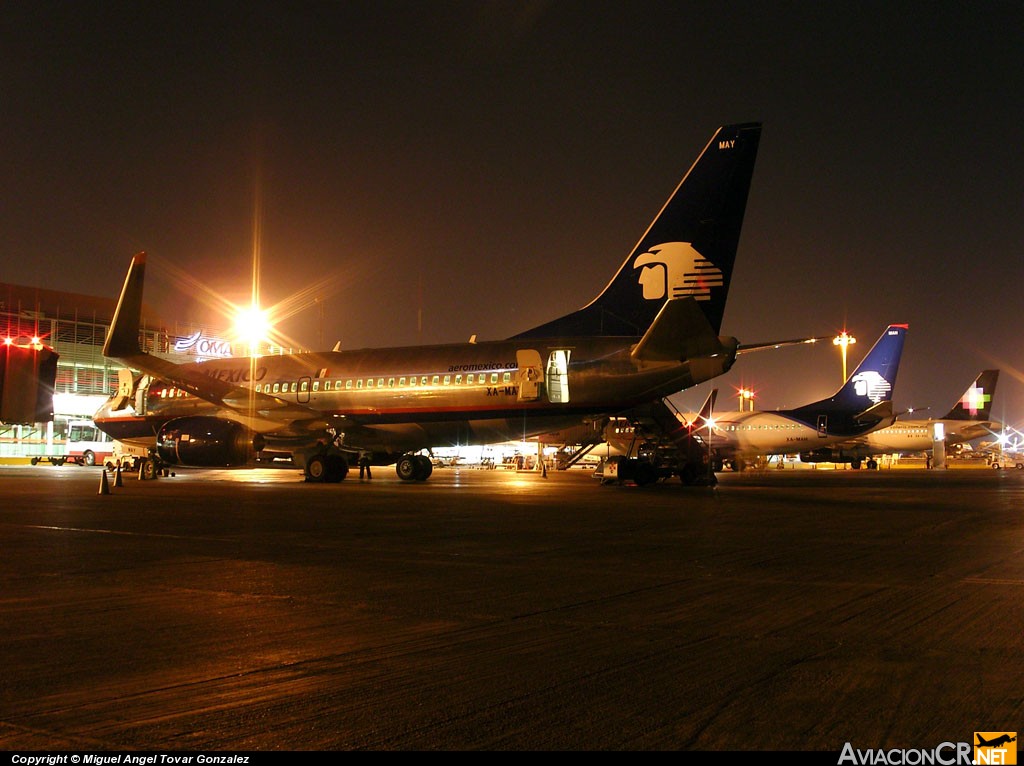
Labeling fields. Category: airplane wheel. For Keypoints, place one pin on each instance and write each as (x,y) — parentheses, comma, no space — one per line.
(688,474)
(423,467)
(872,465)
(855,465)
(406,467)
(316,468)
(645,474)
(336,469)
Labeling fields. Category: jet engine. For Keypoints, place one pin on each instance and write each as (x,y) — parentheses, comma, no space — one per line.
(823,455)
(827,455)
(207,442)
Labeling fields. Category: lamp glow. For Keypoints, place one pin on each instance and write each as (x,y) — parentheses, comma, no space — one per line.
(252,326)
(843,340)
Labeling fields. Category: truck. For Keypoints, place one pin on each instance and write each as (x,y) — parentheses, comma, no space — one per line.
(1006,460)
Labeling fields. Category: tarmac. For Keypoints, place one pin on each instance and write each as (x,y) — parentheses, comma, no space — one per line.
(248,610)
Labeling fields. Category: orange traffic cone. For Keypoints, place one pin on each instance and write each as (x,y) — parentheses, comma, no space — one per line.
(118,481)
(104,486)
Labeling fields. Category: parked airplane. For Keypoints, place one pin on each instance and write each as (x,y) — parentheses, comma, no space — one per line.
(970,418)
(863,404)
(654,330)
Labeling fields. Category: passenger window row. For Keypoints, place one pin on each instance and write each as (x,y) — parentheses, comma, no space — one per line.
(360,384)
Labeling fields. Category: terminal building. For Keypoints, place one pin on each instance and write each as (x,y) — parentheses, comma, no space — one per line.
(75,327)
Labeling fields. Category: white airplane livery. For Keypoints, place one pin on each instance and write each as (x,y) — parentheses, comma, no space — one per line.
(969,418)
(862,405)
(654,330)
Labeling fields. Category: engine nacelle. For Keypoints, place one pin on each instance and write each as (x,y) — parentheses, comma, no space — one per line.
(207,443)
(824,455)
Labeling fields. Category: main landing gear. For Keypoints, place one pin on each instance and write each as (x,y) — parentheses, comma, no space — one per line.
(326,468)
(414,467)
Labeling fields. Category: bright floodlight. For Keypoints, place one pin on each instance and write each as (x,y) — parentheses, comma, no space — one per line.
(252,326)
(843,340)
(746,395)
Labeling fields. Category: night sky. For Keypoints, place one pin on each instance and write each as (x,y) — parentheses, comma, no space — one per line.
(487,166)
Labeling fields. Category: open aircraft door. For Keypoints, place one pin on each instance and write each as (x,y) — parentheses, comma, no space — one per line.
(131,392)
(530,374)
(557,376)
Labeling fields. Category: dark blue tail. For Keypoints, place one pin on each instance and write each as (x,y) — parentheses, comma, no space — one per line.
(688,251)
(869,385)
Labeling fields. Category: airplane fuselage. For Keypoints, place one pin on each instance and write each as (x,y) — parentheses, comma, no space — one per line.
(748,434)
(406,399)
(905,436)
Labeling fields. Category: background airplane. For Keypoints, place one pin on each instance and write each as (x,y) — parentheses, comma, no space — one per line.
(969,418)
(653,331)
(863,404)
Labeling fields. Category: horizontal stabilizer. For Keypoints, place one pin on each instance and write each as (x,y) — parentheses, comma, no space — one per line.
(679,331)
(876,413)
(748,347)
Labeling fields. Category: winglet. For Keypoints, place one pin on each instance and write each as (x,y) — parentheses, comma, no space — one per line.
(123,338)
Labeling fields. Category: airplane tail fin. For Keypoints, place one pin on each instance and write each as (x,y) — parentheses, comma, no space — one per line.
(869,387)
(707,409)
(123,338)
(688,251)
(976,402)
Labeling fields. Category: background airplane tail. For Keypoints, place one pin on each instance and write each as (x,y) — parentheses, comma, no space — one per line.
(873,380)
(976,402)
(688,250)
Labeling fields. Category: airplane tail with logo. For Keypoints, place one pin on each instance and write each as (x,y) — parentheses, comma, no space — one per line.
(867,393)
(976,402)
(688,251)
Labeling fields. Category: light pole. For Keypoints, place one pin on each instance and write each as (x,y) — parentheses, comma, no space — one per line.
(843,340)
(710,422)
(746,395)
